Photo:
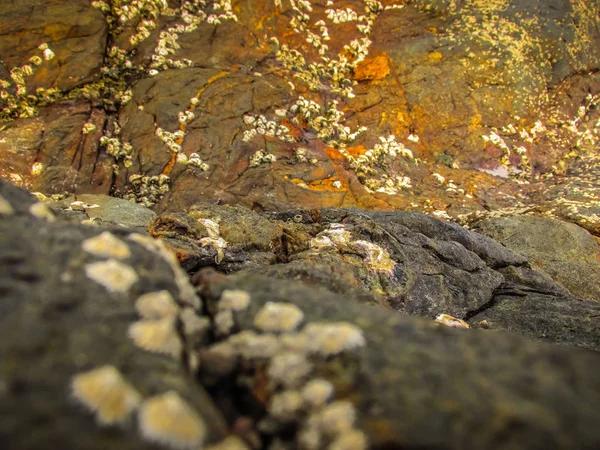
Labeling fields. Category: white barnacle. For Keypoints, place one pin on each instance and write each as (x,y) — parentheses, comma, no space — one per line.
(289,369)
(350,440)
(158,336)
(278,317)
(229,443)
(41,211)
(450,321)
(106,245)
(156,305)
(106,393)
(113,275)
(317,392)
(332,338)
(169,420)
(224,322)
(254,346)
(5,207)
(337,418)
(234,300)
(286,406)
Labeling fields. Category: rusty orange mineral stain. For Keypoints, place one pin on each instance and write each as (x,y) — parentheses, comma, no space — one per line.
(324,185)
(375,68)
(169,167)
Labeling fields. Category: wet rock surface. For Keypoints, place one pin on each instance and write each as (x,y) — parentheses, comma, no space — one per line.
(267,361)
(467,107)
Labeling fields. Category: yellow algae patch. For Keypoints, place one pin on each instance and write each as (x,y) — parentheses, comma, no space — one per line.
(375,68)
(107,245)
(435,57)
(158,336)
(156,305)
(168,419)
(475,123)
(106,393)
(113,275)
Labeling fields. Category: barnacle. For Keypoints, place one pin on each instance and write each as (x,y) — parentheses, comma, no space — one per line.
(278,317)
(332,338)
(106,245)
(169,420)
(452,322)
(106,393)
(159,336)
(113,275)
(156,305)
(317,392)
(234,300)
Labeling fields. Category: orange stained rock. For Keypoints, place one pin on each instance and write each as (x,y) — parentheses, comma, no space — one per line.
(294,130)
(334,154)
(357,150)
(324,185)
(475,122)
(169,167)
(375,68)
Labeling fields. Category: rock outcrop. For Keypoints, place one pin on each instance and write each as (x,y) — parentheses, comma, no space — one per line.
(101,330)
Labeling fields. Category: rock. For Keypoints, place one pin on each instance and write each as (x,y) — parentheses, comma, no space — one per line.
(93,311)
(406,261)
(476,101)
(67,308)
(565,251)
(414,383)
(116,211)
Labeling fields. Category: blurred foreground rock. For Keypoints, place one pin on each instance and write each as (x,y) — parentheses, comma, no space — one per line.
(274,362)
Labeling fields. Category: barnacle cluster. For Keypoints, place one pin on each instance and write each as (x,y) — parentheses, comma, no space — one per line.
(324,72)
(287,349)
(264,127)
(147,189)
(261,157)
(111,141)
(15,100)
(339,237)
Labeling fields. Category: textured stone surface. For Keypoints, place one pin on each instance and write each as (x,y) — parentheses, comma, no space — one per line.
(439,76)
(418,384)
(566,252)
(56,322)
(407,261)
(411,382)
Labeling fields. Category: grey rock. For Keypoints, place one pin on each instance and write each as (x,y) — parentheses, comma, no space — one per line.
(418,384)
(565,251)
(57,322)
(117,211)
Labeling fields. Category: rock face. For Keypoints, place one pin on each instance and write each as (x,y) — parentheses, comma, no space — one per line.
(89,349)
(68,308)
(407,261)
(566,252)
(264,105)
